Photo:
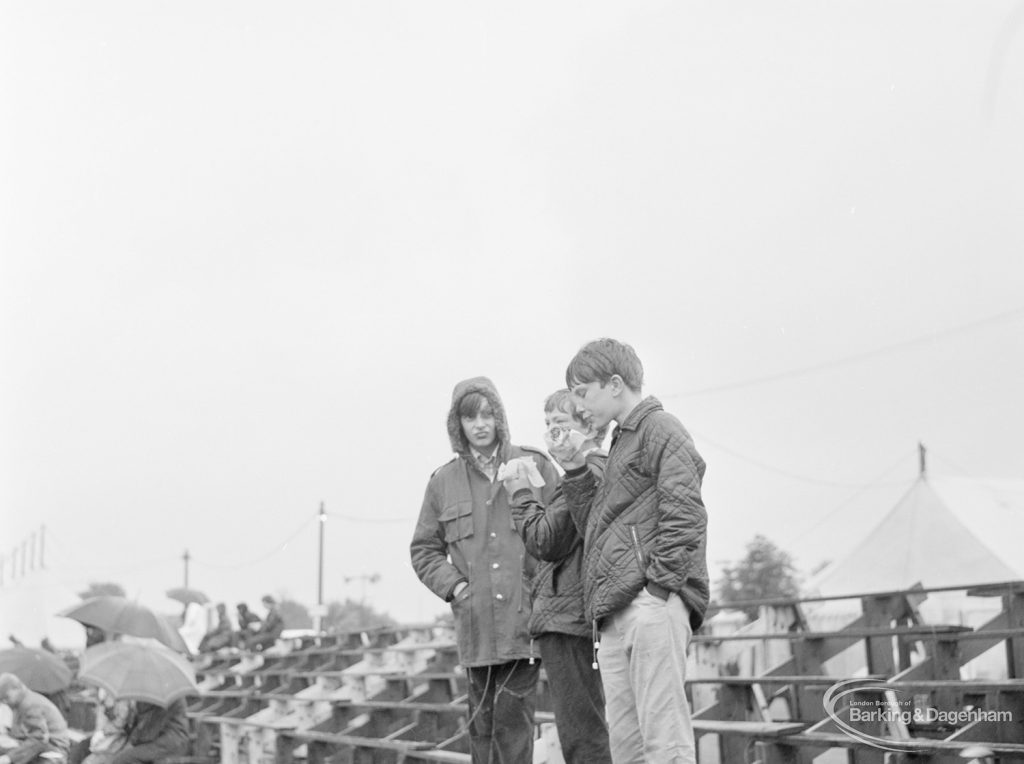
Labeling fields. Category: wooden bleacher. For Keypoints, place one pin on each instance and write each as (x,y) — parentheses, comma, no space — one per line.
(398,695)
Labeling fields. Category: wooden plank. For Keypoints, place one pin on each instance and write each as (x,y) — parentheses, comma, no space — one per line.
(987,590)
(841,740)
(781,679)
(924,631)
(363,742)
(747,729)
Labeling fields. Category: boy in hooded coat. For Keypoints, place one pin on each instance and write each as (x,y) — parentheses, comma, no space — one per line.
(466,550)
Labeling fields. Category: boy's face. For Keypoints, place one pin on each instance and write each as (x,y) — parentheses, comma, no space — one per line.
(598,403)
(559,418)
(480,430)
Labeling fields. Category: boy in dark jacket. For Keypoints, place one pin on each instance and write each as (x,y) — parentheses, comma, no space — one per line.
(645,571)
(467,551)
(558,624)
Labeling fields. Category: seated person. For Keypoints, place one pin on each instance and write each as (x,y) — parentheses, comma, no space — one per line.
(37,727)
(94,635)
(248,622)
(109,736)
(270,630)
(152,733)
(221,635)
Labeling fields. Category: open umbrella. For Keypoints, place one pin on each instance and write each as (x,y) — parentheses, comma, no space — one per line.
(186,596)
(122,616)
(39,670)
(139,671)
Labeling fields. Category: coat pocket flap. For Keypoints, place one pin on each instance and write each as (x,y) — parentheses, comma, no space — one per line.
(457,520)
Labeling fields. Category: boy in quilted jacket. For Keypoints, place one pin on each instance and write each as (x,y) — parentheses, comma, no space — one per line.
(645,572)
(557,623)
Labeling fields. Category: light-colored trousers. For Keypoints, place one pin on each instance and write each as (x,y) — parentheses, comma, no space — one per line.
(643,668)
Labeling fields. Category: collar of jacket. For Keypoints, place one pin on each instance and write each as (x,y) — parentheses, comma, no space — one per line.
(501,455)
(641,410)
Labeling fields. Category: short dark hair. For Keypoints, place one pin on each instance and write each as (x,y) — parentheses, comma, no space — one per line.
(561,400)
(600,360)
(471,404)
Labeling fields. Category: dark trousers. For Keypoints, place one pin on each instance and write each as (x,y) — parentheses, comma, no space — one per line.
(576,698)
(502,700)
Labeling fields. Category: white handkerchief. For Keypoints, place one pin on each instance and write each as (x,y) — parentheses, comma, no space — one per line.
(512,466)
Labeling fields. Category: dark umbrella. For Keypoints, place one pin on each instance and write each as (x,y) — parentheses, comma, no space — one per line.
(187,596)
(122,616)
(137,671)
(39,670)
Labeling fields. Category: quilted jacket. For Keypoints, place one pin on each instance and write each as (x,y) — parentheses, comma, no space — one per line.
(645,521)
(465,532)
(552,537)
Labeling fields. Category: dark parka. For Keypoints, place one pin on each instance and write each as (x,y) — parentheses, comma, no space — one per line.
(645,521)
(466,533)
(552,537)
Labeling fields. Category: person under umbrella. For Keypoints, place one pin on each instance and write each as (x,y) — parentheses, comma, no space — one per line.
(41,671)
(155,680)
(37,727)
(141,733)
(119,615)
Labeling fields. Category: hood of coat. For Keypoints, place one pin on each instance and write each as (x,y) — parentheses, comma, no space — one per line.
(485,387)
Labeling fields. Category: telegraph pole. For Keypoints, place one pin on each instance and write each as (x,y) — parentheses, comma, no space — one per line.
(186,558)
(319,619)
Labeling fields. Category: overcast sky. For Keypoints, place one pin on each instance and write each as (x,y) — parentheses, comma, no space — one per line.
(247,249)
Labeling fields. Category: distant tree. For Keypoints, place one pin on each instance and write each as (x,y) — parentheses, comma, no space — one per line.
(354,616)
(765,571)
(99,588)
(295,614)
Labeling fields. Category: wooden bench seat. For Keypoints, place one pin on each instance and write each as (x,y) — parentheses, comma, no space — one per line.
(365,742)
(936,631)
(747,728)
(841,740)
(437,755)
(779,679)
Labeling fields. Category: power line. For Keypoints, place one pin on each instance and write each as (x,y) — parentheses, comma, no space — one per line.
(855,358)
(276,550)
(351,518)
(780,471)
(874,483)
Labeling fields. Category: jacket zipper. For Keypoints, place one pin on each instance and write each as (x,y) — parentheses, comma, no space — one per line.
(469,610)
(522,583)
(637,548)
